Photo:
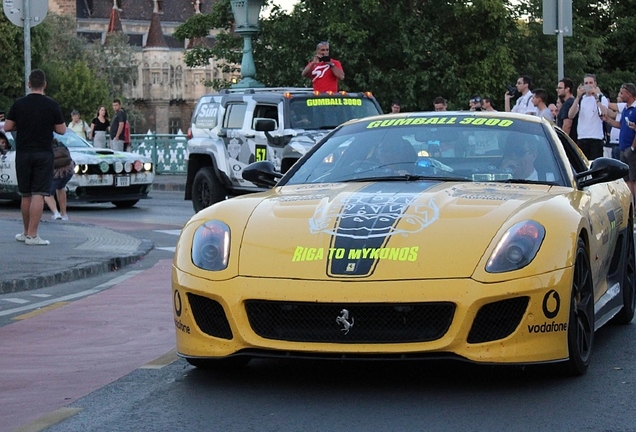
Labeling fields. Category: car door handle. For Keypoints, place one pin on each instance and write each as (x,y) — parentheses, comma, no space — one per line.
(250,135)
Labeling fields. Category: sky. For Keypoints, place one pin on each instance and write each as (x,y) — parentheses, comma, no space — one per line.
(288,5)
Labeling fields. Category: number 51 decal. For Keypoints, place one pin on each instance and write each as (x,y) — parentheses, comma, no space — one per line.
(261,153)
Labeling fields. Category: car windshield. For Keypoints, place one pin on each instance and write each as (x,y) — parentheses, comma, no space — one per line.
(70,139)
(449,148)
(327,113)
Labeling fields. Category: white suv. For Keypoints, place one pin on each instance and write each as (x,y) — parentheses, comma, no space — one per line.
(235,128)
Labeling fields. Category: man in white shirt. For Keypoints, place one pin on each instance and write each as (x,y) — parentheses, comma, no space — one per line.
(524,103)
(591,105)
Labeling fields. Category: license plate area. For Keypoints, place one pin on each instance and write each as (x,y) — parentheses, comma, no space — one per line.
(122,181)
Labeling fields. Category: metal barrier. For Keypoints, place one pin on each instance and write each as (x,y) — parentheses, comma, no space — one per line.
(167,151)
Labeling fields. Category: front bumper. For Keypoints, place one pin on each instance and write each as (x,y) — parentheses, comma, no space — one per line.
(106,187)
(515,322)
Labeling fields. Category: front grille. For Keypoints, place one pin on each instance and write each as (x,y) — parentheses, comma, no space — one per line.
(210,316)
(112,191)
(497,320)
(372,322)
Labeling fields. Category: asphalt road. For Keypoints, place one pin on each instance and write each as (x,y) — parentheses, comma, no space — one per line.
(132,381)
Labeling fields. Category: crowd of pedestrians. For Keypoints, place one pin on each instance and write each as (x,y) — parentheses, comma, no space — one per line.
(599,127)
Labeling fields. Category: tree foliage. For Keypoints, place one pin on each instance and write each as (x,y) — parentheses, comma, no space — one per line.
(12,85)
(78,77)
(416,50)
(74,86)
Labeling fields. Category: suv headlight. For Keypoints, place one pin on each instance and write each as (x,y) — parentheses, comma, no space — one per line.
(517,248)
(211,246)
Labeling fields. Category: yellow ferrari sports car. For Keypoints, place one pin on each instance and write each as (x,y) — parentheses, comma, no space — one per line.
(479,236)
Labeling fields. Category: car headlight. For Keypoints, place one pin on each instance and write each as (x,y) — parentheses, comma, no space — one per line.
(128,167)
(211,246)
(104,167)
(81,168)
(148,166)
(517,248)
(119,167)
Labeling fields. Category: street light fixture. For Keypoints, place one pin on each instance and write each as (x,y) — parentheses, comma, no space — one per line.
(246,14)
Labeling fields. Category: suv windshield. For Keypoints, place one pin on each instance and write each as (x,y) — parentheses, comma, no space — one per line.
(328,113)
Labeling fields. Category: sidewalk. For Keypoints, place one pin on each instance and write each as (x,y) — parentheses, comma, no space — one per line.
(52,359)
(77,251)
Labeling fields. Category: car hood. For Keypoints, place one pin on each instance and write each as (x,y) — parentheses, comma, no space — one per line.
(384,230)
(88,155)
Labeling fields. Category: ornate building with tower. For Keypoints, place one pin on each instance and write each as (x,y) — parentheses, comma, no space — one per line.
(166,90)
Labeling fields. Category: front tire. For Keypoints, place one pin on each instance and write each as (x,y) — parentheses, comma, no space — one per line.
(581,322)
(125,204)
(206,189)
(226,364)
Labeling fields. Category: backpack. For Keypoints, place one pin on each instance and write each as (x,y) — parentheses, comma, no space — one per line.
(126,132)
(62,155)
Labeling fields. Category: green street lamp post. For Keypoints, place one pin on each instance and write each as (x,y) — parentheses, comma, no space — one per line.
(246,17)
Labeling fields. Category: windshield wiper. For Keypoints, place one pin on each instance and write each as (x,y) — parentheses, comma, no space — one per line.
(524,181)
(404,177)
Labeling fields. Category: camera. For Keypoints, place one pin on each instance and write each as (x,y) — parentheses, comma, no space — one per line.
(325,59)
(512,90)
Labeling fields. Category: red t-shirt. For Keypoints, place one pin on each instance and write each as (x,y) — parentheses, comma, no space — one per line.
(322,77)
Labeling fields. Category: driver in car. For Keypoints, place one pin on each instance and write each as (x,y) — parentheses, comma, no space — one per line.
(518,159)
(398,156)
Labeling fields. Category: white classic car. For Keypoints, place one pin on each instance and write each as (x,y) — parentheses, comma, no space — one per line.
(101,174)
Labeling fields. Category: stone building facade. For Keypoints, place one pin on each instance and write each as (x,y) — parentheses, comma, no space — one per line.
(166,90)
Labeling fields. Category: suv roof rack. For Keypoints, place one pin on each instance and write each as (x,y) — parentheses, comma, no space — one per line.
(267,89)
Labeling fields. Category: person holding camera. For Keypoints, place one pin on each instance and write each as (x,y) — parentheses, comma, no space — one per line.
(591,106)
(324,71)
(524,103)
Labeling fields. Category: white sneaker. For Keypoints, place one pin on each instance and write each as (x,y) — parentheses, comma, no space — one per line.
(65,217)
(36,241)
(20,237)
(56,216)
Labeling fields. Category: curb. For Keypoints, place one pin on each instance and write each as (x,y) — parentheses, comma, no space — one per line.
(172,187)
(82,271)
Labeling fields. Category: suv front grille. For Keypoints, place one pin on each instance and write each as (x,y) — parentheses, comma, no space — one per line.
(371,322)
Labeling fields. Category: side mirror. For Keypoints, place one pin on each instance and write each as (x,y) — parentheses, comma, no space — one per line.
(261,174)
(264,124)
(602,170)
